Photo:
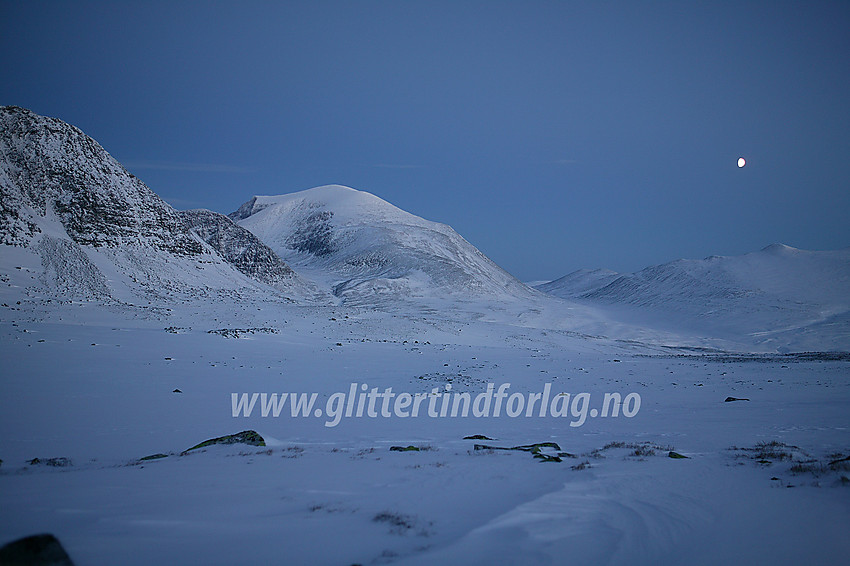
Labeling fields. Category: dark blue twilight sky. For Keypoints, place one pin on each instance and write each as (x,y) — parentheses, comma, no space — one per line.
(552,135)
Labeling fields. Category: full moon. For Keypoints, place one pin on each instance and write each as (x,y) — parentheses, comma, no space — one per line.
(741,162)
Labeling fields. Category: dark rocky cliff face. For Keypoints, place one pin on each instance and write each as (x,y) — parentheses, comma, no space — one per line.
(246,210)
(54,177)
(50,167)
(238,246)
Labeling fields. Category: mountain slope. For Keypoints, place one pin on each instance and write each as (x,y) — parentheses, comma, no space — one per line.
(367,250)
(779,296)
(243,250)
(578,282)
(101,233)
(50,167)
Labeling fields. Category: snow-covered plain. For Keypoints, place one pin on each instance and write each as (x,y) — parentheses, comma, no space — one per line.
(94,384)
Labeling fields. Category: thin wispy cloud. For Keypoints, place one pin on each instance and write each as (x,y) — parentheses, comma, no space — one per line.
(183,166)
(396,166)
(183,204)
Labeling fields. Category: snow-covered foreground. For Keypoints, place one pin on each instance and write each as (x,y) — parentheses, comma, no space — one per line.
(94,384)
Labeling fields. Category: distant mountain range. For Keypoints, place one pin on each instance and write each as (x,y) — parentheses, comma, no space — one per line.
(100,234)
(764,295)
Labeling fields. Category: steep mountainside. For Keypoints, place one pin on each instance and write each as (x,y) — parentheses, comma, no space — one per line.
(239,247)
(368,251)
(100,232)
(50,167)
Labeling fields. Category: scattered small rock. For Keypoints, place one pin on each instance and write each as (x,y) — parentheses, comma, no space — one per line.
(400,523)
(478,437)
(410,448)
(55,462)
(676,455)
(177,391)
(239,332)
(730,399)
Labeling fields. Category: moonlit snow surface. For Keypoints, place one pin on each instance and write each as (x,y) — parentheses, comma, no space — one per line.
(94,384)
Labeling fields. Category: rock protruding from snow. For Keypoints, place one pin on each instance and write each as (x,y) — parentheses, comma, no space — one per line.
(44,550)
(249,437)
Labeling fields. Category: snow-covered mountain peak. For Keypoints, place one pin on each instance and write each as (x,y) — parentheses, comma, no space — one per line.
(366,249)
(778,249)
(327,194)
(348,207)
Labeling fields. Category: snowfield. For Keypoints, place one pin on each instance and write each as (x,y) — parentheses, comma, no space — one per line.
(95,384)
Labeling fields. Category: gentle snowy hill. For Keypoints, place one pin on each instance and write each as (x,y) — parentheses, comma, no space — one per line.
(368,251)
(778,297)
(578,282)
(101,234)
